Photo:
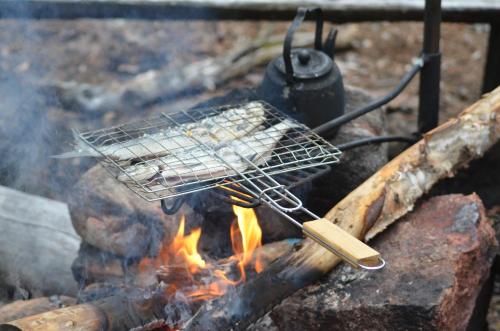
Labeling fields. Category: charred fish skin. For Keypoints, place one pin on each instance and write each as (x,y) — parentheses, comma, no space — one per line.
(199,163)
(227,125)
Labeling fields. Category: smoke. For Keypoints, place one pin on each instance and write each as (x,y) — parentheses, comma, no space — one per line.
(25,136)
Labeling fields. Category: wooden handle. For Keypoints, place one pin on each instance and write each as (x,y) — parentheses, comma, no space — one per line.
(341,243)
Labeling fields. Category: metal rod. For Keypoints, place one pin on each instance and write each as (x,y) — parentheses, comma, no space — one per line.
(492,69)
(428,113)
(374,140)
(323,129)
(335,11)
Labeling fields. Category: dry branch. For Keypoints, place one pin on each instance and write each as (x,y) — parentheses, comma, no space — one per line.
(155,85)
(381,200)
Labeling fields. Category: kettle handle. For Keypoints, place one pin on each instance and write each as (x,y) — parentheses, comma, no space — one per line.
(287,46)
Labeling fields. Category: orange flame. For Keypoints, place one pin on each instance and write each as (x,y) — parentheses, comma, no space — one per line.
(246,236)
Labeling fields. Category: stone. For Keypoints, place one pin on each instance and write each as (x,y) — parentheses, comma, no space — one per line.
(109,216)
(438,260)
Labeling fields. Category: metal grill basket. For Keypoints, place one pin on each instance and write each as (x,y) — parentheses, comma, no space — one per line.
(192,150)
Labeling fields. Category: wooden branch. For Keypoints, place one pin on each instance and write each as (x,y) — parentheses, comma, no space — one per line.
(337,10)
(381,200)
(21,308)
(37,244)
(119,312)
(157,85)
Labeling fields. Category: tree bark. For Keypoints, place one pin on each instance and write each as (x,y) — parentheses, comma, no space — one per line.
(381,200)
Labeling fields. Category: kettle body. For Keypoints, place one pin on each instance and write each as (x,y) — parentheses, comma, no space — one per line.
(305,82)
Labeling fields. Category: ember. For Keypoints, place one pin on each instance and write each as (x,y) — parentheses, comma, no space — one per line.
(199,279)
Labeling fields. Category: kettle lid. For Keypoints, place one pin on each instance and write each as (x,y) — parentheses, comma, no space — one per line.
(307,63)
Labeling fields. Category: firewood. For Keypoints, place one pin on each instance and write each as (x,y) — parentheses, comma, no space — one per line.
(119,312)
(381,200)
(21,308)
(37,244)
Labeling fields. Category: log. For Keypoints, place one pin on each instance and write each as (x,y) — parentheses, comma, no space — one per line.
(119,312)
(131,307)
(22,308)
(439,256)
(37,244)
(166,83)
(381,200)
(337,11)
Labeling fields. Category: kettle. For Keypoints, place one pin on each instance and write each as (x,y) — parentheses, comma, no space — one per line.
(305,82)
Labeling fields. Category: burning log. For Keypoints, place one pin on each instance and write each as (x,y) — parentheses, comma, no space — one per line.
(381,200)
(37,244)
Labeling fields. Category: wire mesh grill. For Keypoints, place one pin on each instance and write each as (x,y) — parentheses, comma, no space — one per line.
(197,149)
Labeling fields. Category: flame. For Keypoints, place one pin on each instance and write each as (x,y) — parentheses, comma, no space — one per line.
(246,238)
(186,248)
(182,254)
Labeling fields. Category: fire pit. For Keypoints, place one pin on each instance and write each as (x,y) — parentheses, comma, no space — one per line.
(209,245)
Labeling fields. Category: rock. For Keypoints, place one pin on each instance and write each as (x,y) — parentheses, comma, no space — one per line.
(93,265)
(438,259)
(109,216)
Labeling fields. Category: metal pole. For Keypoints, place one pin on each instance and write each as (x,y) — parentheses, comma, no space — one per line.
(428,113)
(492,68)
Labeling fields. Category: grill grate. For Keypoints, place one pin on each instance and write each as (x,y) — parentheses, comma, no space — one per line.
(185,152)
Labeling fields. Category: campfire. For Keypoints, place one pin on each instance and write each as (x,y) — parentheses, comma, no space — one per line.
(187,273)
(274,207)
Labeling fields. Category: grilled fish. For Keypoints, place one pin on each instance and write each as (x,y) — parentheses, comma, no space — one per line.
(199,163)
(228,125)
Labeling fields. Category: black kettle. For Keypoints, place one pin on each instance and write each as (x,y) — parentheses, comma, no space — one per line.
(305,82)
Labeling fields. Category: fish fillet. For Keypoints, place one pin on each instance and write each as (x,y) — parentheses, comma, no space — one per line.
(198,163)
(226,126)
